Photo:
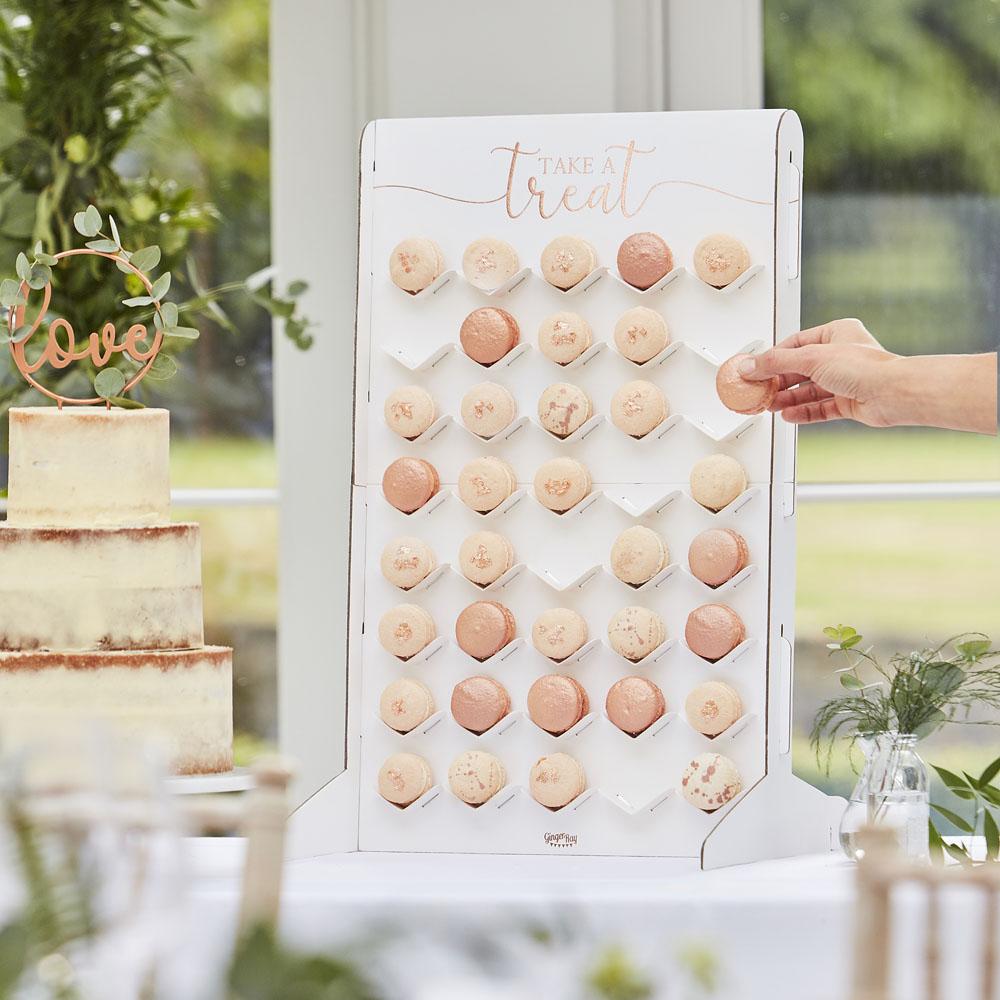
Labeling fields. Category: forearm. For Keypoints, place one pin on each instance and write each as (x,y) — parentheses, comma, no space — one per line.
(954,391)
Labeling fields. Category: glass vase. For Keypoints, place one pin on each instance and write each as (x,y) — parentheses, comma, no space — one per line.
(892,791)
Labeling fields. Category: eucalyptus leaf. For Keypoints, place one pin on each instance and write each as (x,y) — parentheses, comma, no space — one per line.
(21,333)
(147,258)
(109,383)
(850,682)
(296,288)
(138,300)
(46,258)
(114,231)
(80,225)
(93,219)
(103,246)
(163,368)
(22,267)
(10,292)
(39,276)
(125,403)
(183,332)
(170,314)
(38,248)
(5,334)
(161,286)
(973,648)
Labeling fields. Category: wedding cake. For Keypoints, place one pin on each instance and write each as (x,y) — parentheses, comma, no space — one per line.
(100,594)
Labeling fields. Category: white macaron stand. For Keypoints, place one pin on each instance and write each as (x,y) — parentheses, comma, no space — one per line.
(602,177)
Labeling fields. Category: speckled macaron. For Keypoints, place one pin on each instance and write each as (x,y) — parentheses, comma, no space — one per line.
(710,781)
(489,334)
(484,483)
(719,259)
(484,628)
(556,703)
(488,263)
(717,555)
(561,483)
(559,633)
(643,259)
(638,554)
(475,776)
(634,632)
(405,630)
(556,780)
(564,408)
(564,336)
(713,630)
(415,263)
(638,407)
(487,409)
(743,395)
(640,334)
(405,703)
(711,708)
(406,561)
(634,704)
(403,778)
(408,483)
(484,557)
(717,481)
(409,411)
(479,703)
(567,260)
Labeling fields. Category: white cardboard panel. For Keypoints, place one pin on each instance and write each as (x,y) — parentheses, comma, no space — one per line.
(451,180)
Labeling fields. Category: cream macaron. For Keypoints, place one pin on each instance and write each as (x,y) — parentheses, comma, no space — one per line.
(719,259)
(405,630)
(564,408)
(564,336)
(558,633)
(634,632)
(405,703)
(406,561)
(567,260)
(639,407)
(484,483)
(710,781)
(415,264)
(640,334)
(403,778)
(716,481)
(556,780)
(561,483)
(638,554)
(487,409)
(712,707)
(489,263)
(484,557)
(409,411)
(475,776)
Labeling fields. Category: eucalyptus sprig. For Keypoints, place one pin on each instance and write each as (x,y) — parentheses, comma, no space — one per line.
(35,273)
(914,693)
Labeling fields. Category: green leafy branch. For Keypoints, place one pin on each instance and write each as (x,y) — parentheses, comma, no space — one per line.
(984,797)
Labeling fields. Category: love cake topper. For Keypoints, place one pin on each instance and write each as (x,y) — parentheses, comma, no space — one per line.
(102,348)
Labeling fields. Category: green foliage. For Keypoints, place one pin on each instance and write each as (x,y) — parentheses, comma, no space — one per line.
(915,693)
(983,794)
(264,969)
(85,80)
(615,977)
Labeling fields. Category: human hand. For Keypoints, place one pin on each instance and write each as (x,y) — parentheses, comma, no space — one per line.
(840,371)
(830,372)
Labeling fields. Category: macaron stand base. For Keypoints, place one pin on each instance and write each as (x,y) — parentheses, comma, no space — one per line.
(603,177)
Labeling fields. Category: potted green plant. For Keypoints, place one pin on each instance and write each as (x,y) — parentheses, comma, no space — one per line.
(887,709)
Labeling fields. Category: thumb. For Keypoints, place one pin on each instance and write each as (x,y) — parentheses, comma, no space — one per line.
(779,361)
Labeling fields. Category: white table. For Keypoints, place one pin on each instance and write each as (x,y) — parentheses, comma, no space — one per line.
(779,929)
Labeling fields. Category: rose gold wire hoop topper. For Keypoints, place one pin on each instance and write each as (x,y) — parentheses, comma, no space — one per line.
(100,348)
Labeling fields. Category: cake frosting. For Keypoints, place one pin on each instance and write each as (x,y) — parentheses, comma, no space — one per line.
(100,595)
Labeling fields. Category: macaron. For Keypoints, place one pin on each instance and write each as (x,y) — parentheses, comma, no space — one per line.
(742,395)
(408,483)
(634,704)
(556,780)
(405,703)
(719,259)
(634,632)
(711,708)
(567,260)
(564,408)
(406,561)
(487,409)
(415,263)
(710,781)
(403,778)
(409,411)
(405,630)
(559,633)
(475,776)
(479,703)
(638,407)
(489,334)
(640,334)
(488,262)
(561,483)
(717,481)
(484,483)
(564,336)
(556,703)
(717,555)
(484,628)
(638,554)
(713,630)
(484,557)
(644,258)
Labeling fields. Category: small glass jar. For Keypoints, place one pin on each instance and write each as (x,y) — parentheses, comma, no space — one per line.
(892,791)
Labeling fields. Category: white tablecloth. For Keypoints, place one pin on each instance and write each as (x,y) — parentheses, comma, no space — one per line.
(778,929)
